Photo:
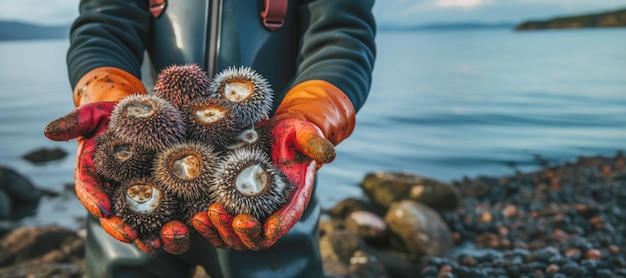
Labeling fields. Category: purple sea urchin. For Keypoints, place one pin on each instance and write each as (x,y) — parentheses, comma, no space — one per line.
(148,121)
(246,181)
(180,84)
(119,160)
(210,120)
(184,170)
(246,90)
(142,204)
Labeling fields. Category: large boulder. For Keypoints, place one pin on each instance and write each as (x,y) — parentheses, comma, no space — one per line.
(384,188)
(420,229)
(18,196)
(47,251)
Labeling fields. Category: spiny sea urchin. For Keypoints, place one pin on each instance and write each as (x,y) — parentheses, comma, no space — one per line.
(180,84)
(184,170)
(246,90)
(210,120)
(142,204)
(246,181)
(119,160)
(148,121)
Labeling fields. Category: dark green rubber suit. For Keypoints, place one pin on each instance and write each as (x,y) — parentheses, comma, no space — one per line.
(216,35)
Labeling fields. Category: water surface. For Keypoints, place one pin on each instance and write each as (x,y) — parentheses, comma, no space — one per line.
(444,104)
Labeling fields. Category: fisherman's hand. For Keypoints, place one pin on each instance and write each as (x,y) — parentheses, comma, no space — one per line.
(311,120)
(298,148)
(95,96)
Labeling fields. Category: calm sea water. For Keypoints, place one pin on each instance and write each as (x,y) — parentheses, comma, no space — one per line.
(443,104)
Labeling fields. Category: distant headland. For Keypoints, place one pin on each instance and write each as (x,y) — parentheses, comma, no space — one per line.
(14,30)
(606,19)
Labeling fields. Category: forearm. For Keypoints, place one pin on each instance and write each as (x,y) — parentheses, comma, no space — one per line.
(338,45)
(108,33)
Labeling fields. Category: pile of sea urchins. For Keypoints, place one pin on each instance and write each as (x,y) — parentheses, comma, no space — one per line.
(192,143)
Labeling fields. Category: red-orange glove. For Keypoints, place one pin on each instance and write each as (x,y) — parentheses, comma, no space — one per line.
(313,117)
(95,96)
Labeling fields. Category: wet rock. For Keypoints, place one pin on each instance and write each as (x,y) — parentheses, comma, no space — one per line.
(41,252)
(339,246)
(384,188)
(398,264)
(420,228)
(345,255)
(346,206)
(45,155)
(366,265)
(367,225)
(47,244)
(330,225)
(19,197)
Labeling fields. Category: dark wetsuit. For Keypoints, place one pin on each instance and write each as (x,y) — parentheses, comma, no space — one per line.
(331,40)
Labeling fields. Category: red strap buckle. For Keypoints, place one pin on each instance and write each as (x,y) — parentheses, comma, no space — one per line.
(157,7)
(274,14)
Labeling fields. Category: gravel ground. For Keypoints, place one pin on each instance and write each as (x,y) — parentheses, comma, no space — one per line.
(564,221)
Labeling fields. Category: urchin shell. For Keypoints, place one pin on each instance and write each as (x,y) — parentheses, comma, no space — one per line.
(252,137)
(148,121)
(247,182)
(180,84)
(144,205)
(184,170)
(247,91)
(119,160)
(210,120)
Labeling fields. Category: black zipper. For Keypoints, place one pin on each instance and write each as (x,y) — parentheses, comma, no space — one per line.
(213,38)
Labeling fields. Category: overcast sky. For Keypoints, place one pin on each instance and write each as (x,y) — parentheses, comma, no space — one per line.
(387,11)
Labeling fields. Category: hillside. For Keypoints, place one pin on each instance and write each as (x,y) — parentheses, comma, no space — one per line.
(605,19)
(12,30)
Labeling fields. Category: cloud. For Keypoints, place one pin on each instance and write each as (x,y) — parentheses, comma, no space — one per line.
(462,3)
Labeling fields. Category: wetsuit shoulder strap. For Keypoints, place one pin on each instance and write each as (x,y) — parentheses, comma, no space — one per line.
(274,14)
(157,7)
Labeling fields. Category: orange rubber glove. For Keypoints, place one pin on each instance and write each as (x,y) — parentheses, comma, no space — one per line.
(313,117)
(95,96)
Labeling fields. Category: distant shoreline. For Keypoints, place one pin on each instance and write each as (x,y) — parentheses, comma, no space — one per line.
(612,19)
(20,31)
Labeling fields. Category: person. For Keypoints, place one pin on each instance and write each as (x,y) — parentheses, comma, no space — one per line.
(318,56)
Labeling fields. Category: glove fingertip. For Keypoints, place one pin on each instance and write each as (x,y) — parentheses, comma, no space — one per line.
(321,150)
(60,129)
(150,245)
(175,237)
(119,230)
(272,227)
